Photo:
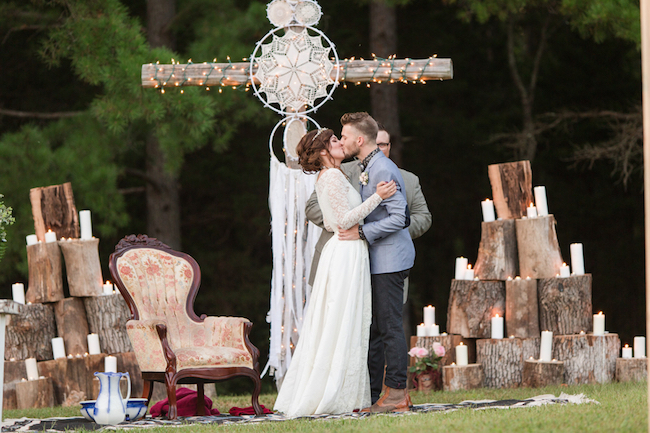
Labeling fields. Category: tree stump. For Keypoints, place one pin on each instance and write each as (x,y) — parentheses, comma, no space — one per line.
(82,267)
(472,304)
(512,188)
(30,334)
(538,373)
(53,208)
(503,360)
(565,304)
(72,325)
(45,277)
(497,252)
(9,396)
(522,318)
(631,369)
(539,251)
(107,317)
(587,358)
(455,377)
(35,393)
(449,342)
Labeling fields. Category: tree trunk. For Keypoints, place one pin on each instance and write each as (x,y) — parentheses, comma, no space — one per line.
(497,253)
(522,313)
(538,374)
(45,275)
(538,247)
(83,269)
(565,304)
(107,317)
(631,369)
(587,358)
(72,325)
(30,334)
(503,360)
(455,377)
(472,304)
(512,188)
(35,393)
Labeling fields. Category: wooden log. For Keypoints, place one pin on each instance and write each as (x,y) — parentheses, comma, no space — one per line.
(107,317)
(503,360)
(449,342)
(72,375)
(565,304)
(538,248)
(497,253)
(522,318)
(45,276)
(72,325)
(512,188)
(82,266)
(631,369)
(456,377)
(472,304)
(587,358)
(14,371)
(9,396)
(53,209)
(35,393)
(538,373)
(30,334)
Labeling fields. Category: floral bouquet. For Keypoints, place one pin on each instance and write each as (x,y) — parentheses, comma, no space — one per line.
(425,360)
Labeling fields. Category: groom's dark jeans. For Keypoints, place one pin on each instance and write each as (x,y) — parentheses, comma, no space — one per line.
(387,341)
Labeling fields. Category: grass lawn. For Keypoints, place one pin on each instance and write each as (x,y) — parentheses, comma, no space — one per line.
(623,408)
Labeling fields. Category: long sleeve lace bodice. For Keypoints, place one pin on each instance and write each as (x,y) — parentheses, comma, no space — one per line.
(340,202)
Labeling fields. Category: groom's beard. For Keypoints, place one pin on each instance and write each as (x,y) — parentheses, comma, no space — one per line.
(349,154)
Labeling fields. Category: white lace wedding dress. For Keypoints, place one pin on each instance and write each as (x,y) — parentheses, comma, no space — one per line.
(329,372)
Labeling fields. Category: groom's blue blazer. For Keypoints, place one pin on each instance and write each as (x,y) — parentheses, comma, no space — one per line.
(386,228)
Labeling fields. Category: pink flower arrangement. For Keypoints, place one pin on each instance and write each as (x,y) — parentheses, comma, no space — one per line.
(425,359)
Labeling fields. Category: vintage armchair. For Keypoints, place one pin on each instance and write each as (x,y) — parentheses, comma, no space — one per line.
(172,344)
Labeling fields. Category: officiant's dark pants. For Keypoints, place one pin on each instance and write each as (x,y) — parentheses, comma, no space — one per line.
(387,341)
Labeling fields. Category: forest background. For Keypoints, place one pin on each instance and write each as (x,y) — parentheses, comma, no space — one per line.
(555,82)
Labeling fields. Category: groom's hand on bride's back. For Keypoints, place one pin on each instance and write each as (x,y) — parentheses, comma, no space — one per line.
(351,234)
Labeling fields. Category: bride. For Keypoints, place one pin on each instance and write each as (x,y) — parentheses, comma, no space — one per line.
(329,371)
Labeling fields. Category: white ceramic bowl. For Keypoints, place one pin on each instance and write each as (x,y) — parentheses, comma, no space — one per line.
(87,408)
(136,408)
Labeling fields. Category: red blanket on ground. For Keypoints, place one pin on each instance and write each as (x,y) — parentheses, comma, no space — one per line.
(238,411)
(185,403)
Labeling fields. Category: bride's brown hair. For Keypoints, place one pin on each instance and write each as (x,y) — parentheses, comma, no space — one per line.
(309,149)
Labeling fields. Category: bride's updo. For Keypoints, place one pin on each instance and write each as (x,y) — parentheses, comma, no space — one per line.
(309,148)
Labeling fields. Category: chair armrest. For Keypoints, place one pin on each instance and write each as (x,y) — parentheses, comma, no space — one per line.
(149,345)
(227,331)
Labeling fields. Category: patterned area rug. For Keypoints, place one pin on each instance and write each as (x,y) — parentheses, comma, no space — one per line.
(75,423)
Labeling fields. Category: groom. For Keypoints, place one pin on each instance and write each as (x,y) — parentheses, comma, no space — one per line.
(392,255)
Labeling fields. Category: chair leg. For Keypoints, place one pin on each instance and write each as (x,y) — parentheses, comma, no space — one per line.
(171,397)
(200,399)
(256,394)
(147,390)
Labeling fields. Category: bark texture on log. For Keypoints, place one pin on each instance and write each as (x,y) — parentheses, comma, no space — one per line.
(539,250)
(456,377)
(497,253)
(30,334)
(522,318)
(45,276)
(565,304)
(449,342)
(72,325)
(503,360)
(107,317)
(631,369)
(512,188)
(82,267)
(538,374)
(53,208)
(587,358)
(9,396)
(35,393)
(472,304)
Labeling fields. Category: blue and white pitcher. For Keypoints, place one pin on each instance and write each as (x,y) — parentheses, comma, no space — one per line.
(110,407)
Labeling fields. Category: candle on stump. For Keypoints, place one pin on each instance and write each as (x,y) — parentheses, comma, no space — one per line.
(496,330)
(469,273)
(546,346)
(85,224)
(110,364)
(58,348)
(565,271)
(50,236)
(461,354)
(108,288)
(18,293)
(422,330)
(461,267)
(32,368)
(93,344)
(487,207)
(531,211)
(577,259)
(599,324)
(433,330)
(540,200)
(31,240)
(429,315)
(627,352)
(639,347)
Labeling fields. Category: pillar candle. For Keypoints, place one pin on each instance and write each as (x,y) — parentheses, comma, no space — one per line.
(627,352)
(32,368)
(540,200)
(546,347)
(599,324)
(433,331)
(422,330)
(429,315)
(461,267)
(110,364)
(469,273)
(639,347)
(531,211)
(577,259)
(31,240)
(461,354)
(565,271)
(488,210)
(93,344)
(50,236)
(58,347)
(86,225)
(497,327)
(18,293)
(108,288)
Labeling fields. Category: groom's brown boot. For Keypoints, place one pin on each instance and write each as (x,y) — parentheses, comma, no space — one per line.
(393,400)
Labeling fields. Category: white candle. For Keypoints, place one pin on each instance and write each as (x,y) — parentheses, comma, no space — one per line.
(108,288)
(531,211)
(488,210)
(18,293)
(546,347)
(85,224)
(599,324)
(58,347)
(469,273)
(461,267)
(639,347)
(627,352)
(461,354)
(497,327)
(31,240)
(110,364)
(565,271)
(429,315)
(577,259)
(540,200)
(422,330)
(32,368)
(433,331)
(93,344)
(50,236)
